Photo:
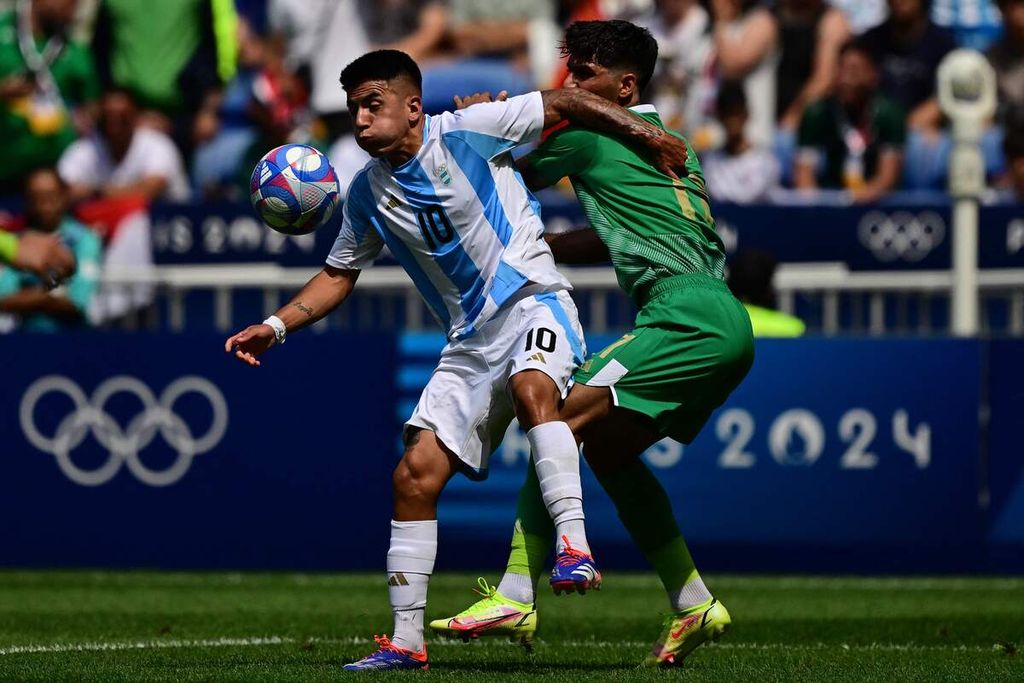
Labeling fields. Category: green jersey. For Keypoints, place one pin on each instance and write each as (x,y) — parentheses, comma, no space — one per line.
(35,131)
(655,227)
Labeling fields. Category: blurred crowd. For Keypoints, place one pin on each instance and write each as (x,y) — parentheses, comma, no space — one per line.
(122,102)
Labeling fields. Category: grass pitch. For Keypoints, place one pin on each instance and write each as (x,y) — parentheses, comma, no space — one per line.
(129,626)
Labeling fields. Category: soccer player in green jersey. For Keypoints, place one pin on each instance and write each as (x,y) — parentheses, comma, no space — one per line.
(690,347)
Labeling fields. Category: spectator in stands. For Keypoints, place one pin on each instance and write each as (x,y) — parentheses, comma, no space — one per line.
(416,27)
(48,87)
(746,50)
(300,31)
(854,139)
(810,35)
(751,276)
(908,48)
(1007,58)
(123,166)
(124,158)
(741,172)
(973,23)
(37,253)
(173,56)
(1013,149)
(23,293)
(683,85)
(862,14)
(509,45)
(263,86)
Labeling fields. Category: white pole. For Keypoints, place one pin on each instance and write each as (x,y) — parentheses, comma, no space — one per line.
(967,94)
(965,267)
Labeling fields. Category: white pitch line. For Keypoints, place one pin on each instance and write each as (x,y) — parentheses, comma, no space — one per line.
(286,640)
(144,645)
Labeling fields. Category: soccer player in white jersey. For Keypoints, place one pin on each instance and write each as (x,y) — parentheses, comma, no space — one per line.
(443,195)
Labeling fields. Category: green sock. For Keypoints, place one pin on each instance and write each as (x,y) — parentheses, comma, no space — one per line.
(646,512)
(531,541)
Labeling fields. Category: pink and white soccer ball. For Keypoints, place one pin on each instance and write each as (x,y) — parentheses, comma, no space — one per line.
(294,189)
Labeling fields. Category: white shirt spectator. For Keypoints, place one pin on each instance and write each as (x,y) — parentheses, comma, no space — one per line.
(745,178)
(325,34)
(88,162)
(684,82)
(862,14)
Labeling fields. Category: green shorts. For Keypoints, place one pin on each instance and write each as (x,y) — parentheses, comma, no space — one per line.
(692,345)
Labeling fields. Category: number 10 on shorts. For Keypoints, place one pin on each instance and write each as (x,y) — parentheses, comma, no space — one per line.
(544,338)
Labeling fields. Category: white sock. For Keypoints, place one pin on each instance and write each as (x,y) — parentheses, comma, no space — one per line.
(692,594)
(410,563)
(557,459)
(518,587)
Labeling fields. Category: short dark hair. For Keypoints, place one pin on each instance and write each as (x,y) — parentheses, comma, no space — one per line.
(731,99)
(860,47)
(612,44)
(381,65)
(42,170)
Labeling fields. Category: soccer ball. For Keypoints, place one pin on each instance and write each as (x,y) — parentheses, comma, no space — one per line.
(294,189)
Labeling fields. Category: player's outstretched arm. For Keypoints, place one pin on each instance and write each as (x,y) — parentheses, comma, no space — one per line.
(667,152)
(321,295)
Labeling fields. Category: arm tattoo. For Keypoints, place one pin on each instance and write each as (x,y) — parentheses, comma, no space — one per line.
(597,113)
(305,309)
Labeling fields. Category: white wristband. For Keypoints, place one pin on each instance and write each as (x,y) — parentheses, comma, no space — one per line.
(280,331)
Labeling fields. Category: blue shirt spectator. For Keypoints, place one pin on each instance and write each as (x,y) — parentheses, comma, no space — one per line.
(22,293)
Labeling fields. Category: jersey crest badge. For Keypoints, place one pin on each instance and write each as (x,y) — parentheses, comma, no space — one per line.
(444,175)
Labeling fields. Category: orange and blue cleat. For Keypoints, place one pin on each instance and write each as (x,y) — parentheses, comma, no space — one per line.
(390,657)
(574,570)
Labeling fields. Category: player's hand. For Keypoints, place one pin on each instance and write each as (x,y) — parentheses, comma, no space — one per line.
(478,97)
(669,154)
(45,255)
(250,343)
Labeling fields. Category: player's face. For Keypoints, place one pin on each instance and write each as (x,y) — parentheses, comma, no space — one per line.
(383,113)
(601,81)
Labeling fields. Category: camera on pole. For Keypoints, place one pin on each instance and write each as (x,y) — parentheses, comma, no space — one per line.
(967,95)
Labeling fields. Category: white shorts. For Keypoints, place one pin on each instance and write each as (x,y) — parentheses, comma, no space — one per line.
(467,402)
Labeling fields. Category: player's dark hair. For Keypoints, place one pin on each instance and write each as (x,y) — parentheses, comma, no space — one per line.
(731,99)
(381,65)
(613,44)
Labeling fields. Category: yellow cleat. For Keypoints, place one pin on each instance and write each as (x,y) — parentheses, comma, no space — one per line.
(685,631)
(494,615)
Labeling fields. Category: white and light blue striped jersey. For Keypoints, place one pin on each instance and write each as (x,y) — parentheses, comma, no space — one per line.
(457,216)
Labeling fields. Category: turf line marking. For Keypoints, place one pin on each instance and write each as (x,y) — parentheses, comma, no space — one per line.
(145,645)
(286,640)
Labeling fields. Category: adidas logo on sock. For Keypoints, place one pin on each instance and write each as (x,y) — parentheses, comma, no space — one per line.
(398,580)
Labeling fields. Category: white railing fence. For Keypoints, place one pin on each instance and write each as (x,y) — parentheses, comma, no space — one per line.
(872,303)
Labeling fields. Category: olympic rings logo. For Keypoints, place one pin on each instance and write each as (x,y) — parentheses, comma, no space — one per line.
(123,445)
(903,235)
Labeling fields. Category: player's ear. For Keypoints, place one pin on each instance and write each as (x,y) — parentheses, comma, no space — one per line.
(628,86)
(414,108)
